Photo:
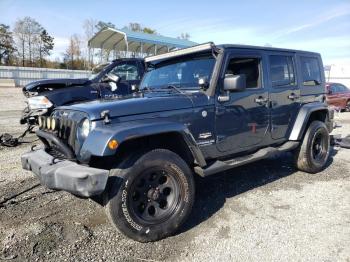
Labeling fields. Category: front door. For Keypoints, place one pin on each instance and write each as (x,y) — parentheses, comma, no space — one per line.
(242,117)
(284,93)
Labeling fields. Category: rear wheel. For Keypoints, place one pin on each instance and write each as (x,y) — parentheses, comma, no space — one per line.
(313,153)
(150,196)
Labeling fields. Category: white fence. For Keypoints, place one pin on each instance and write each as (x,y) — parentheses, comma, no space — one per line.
(25,75)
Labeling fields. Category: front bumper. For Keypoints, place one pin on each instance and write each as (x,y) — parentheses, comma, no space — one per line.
(65,175)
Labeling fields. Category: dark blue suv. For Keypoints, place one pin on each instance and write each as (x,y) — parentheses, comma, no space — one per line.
(199,111)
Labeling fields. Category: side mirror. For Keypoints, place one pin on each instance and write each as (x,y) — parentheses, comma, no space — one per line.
(235,82)
(203,83)
(111,78)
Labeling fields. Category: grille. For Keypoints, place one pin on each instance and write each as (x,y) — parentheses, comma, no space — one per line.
(67,123)
(67,130)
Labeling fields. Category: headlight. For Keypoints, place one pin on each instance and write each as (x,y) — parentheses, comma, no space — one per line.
(84,128)
(39,102)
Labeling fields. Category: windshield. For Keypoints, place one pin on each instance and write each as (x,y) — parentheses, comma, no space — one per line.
(97,69)
(183,73)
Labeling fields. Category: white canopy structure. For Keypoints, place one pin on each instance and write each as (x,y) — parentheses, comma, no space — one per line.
(127,43)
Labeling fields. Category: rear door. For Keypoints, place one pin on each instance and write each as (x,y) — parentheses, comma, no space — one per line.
(284,92)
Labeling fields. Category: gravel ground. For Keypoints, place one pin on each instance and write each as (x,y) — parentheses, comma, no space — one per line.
(267,211)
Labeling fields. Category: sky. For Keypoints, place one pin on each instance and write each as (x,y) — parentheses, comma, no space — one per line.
(313,25)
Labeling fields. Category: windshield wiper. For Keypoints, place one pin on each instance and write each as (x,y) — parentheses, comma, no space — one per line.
(147,88)
(176,89)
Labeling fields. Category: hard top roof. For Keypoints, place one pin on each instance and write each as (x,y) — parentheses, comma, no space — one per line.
(238,46)
(210,46)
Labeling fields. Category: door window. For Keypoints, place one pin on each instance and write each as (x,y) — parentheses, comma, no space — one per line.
(334,89)
(250,67)
(341,88)
(311,71)
(126,71)
(282,70)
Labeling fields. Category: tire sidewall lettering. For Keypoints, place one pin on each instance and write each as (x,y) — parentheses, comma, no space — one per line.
(125,211)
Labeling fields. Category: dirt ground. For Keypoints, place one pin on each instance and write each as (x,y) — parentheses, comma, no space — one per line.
(267,211)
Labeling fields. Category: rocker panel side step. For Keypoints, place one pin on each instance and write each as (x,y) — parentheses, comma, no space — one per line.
(219,166)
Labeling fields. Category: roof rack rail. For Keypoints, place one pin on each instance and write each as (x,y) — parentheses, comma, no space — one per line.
(180,52)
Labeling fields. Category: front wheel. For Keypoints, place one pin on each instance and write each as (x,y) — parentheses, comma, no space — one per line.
(313,153)
(150,195)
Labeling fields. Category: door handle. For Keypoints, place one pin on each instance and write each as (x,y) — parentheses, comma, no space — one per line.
(293,96)
(261,100)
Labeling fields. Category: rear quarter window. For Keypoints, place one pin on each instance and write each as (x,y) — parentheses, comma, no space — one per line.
(310,71)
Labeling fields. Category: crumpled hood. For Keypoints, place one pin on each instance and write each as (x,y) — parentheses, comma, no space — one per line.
(36,85)
(133,105)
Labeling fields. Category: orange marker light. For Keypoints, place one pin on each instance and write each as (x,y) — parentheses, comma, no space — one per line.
(113,144)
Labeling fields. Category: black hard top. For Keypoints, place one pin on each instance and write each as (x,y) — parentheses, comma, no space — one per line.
(251,47)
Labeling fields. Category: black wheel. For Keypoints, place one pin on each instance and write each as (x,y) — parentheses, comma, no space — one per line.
(313,153)
(150,195)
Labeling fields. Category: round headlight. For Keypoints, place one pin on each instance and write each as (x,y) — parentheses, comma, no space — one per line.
(53,123)
(85,128)
(48,123)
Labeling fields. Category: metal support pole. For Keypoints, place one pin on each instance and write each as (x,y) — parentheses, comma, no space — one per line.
(127,47)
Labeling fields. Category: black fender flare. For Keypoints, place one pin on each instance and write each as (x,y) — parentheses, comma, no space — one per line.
(303,117)
(96,143)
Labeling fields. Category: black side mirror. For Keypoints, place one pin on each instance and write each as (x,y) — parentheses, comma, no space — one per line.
(111,78)
(235,82)
(203,83)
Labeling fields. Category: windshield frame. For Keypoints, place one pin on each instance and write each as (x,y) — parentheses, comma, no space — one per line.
(160,63)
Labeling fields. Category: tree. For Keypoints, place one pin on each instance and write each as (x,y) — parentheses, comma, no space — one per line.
(46,44)
(29,37)
(100,25)
(73,52)
(185,36)
(20,35)
(89,26)
(148,30)
(134,27)
(137,27)
(7,47)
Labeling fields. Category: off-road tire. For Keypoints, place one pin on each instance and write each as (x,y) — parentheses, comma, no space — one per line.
(125,183)
(313,153)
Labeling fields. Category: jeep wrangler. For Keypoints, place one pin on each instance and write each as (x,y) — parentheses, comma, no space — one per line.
(199,111)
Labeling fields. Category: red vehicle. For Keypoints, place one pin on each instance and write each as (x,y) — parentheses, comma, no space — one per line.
(338,95)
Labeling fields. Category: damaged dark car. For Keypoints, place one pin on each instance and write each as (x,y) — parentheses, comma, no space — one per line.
(117,78)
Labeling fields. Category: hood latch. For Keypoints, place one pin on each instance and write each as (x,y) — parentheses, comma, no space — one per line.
(106,117)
